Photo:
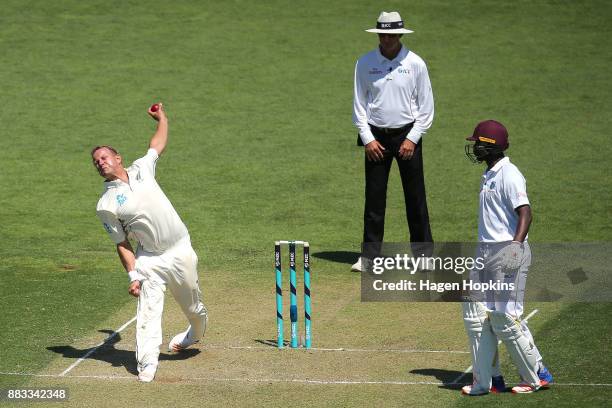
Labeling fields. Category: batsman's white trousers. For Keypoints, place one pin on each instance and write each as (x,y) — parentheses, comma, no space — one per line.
(176,269)
(510,302)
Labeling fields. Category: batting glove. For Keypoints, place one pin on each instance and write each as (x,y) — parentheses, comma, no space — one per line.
(512,255)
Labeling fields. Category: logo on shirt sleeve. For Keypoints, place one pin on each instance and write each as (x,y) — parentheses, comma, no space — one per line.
(108,228)
(121,199)
(492,185)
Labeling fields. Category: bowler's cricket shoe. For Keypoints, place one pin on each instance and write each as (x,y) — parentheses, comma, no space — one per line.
(148,373)
(545,376)
(524,388)
(181,341)
(498,385)
(473,390)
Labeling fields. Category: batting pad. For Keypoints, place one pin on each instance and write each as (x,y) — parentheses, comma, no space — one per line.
(521,350)
(482,344)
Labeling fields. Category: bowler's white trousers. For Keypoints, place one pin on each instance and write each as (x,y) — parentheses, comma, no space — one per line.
(176,269)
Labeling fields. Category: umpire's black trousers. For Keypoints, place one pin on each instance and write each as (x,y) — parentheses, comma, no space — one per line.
(413,184)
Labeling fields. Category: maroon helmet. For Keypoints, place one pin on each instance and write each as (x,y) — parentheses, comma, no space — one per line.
(491,138)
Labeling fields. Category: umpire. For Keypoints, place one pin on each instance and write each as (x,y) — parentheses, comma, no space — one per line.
(393,107)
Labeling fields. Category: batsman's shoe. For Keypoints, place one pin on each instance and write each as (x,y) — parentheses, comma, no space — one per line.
(357,266)
(497,384)
(473,390)
(148,373)
(181,341)
(546,377)
(524,388)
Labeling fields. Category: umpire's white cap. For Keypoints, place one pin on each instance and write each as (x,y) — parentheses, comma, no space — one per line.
(390,23)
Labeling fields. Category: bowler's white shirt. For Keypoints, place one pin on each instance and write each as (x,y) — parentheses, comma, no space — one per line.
(140,209)
(502,189)
(392,93)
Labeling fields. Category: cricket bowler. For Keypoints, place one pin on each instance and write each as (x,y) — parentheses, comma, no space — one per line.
(134,206)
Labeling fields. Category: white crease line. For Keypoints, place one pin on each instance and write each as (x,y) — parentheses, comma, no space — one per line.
(469,369)
(100,377)
(579,385)
(280,380)
(93,350)
(352,350)
(318,382)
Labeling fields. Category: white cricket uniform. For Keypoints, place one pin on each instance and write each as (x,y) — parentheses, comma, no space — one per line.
(392,93)
(140,210)
(502,190)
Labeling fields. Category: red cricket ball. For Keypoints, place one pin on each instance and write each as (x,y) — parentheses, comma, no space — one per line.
(154,107)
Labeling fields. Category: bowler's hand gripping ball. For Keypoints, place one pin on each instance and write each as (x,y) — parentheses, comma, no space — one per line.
(154,107)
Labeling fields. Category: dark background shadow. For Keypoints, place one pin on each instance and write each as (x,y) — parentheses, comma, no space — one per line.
(345,257)
(117,357)
(269,342)
(445,377)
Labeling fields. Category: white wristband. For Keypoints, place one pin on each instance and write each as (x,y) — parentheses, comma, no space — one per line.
(134,276)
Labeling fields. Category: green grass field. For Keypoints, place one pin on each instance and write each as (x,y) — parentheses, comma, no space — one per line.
(262,147)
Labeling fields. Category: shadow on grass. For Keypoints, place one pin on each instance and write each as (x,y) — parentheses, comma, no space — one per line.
(116,357)
(274,344)
(269,342)
(446,377)
(345,257)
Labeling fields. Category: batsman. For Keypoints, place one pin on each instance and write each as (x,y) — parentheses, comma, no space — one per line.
(504,218)
(134,206)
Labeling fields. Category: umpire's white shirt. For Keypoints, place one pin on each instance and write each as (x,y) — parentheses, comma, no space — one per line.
(502,190)
(140,208)
(392,93)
